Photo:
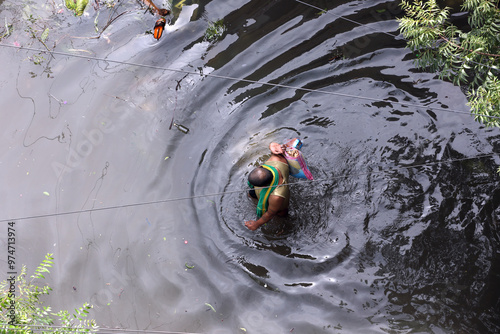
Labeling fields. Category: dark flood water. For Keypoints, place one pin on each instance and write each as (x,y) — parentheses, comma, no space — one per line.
(385,241)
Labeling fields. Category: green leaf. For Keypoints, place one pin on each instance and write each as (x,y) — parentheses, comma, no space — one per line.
(77,6)
(80,6)
(70,4)
(211,307)
(29,308)
(45,35)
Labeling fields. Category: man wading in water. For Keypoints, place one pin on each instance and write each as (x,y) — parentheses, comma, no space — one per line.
(275,196)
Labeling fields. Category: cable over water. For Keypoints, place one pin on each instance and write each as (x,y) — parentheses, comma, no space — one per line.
(303,183)
(403,104)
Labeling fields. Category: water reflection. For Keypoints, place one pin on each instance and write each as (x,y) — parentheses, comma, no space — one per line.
(377,244)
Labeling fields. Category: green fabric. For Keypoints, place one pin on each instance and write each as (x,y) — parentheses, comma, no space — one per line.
(264,197)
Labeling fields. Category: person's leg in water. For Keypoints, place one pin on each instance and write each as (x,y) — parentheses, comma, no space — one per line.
(253,196)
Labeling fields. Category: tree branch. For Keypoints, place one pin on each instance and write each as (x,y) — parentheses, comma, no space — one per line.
(462,48)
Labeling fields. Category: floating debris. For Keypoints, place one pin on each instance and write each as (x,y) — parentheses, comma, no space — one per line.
(324,11)
(181,128)
(58,100)
(159,26)
(45,35)
(214,31)
(155,9)
(8,29)
(189,266)
(207,304)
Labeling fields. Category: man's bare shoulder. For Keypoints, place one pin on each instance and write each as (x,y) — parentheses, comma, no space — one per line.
(275,157)
(275,201)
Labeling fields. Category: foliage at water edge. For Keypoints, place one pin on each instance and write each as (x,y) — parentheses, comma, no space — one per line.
(22,311)
(468,56)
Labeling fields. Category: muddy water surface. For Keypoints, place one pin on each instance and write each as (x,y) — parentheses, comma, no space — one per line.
(385,241)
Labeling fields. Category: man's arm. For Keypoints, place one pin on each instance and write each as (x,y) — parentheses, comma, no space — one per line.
(275,203)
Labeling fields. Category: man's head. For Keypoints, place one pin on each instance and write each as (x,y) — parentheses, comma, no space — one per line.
(260,177)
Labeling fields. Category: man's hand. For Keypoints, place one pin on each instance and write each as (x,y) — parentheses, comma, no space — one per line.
(252,225)
(276,148)
(275,203)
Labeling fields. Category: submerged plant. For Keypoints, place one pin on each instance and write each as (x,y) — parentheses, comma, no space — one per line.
(78,6)
(38,30)
(109,3)
(214,31)
(21,310)
(7,31)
